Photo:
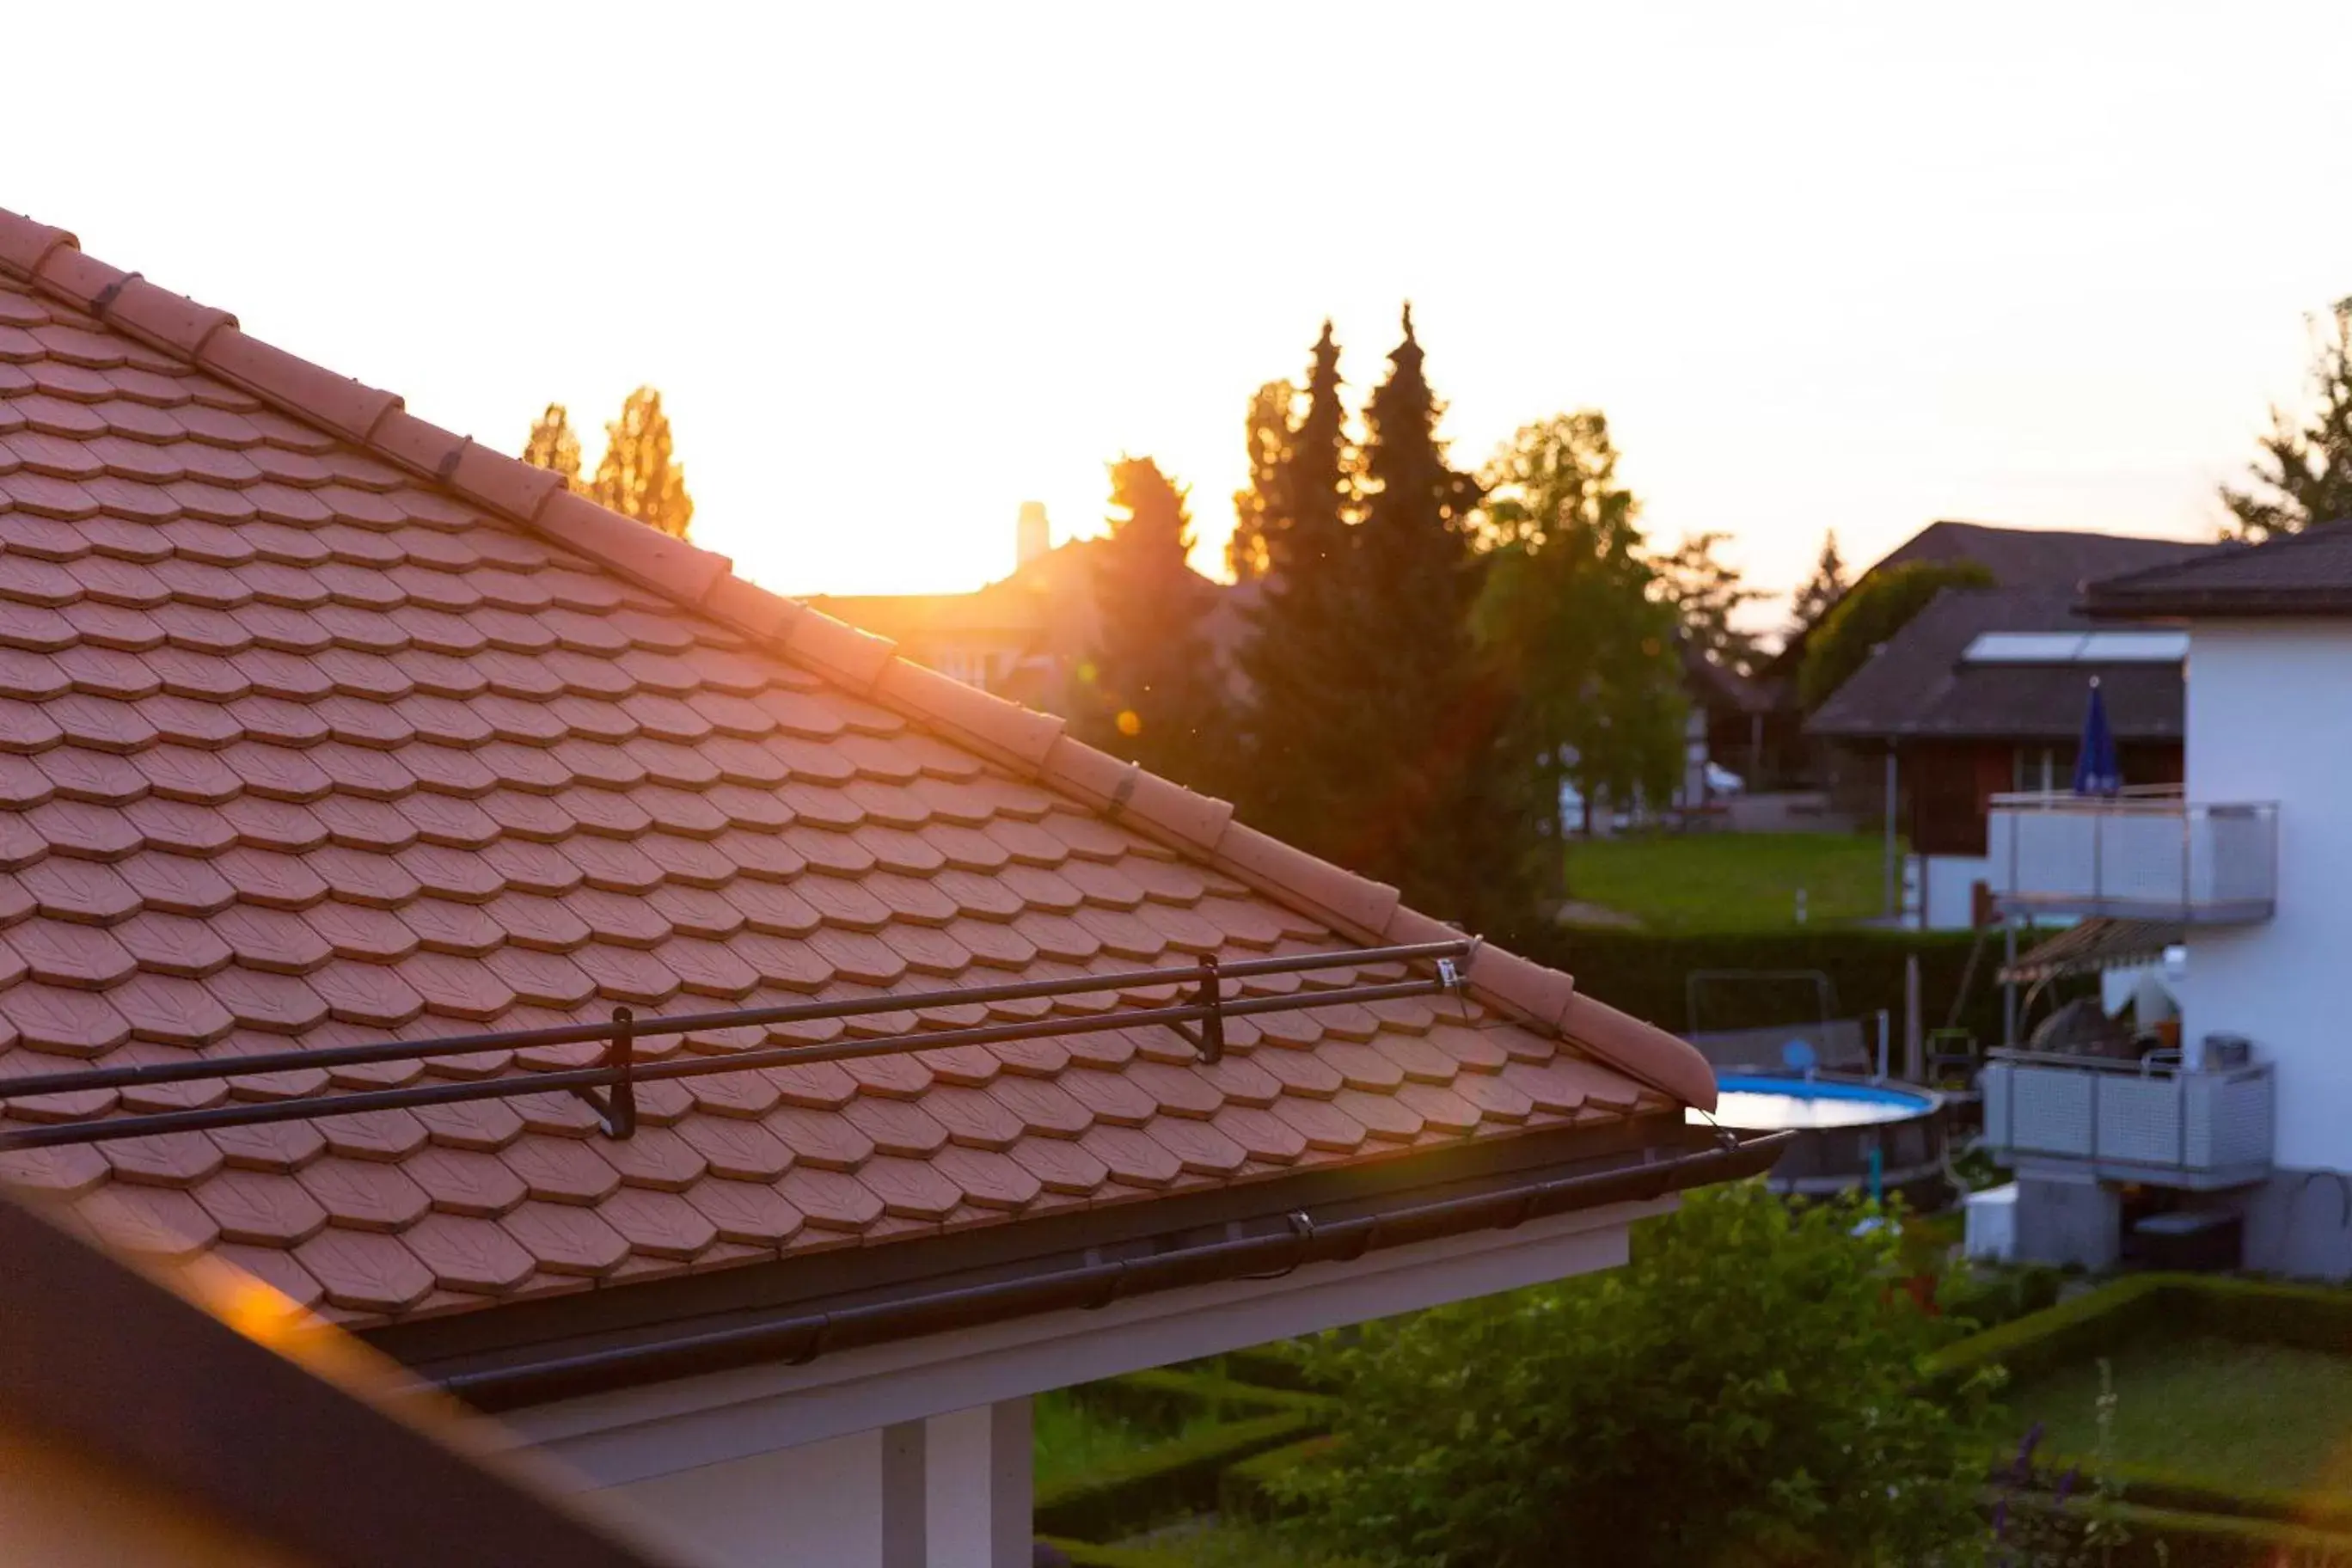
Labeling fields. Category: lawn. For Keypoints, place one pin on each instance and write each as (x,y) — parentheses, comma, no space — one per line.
(2237,1414)
(1731,881)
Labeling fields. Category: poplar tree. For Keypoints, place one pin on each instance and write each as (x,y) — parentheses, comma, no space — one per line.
(552,444)
(639,475)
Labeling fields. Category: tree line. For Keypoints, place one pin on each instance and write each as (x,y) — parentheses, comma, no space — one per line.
(1426,653)
(639,475)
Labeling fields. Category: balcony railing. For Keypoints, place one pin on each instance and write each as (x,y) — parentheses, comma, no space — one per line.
(2145,855)
(2152,1122)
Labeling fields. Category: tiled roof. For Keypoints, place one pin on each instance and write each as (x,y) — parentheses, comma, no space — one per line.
(1915,685)
(319,724)
(2294,573)
(2038,557)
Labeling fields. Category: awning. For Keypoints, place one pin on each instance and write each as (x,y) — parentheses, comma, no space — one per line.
(2092,945)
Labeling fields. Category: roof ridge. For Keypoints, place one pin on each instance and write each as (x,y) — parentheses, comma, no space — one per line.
(1031,744)
(2224,549)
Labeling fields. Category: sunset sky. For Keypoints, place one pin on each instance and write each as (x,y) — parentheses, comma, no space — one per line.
(898,269)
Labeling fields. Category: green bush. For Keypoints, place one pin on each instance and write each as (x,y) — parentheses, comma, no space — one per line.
(1747,1390)
(1986,1297)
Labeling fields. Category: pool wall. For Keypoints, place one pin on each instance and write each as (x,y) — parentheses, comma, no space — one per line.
(1910,1144)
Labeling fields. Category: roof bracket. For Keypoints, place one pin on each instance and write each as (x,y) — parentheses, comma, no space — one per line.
(1209,1039)
(616,1106)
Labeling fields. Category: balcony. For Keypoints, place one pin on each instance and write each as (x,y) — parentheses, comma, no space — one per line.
(2147,854)
(2153,1121)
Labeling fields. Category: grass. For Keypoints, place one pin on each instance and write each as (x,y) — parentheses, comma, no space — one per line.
(2219,1411)
(1731,881)
(1068,1439)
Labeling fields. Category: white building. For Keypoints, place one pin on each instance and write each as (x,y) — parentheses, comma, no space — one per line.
(2253,1117)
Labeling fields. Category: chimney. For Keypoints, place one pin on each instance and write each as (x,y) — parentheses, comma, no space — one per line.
(1032,536)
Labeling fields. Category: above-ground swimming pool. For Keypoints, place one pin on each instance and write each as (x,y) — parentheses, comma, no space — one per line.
(1849,1131)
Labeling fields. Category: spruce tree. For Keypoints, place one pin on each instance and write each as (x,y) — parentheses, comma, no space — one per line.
(1267,433)
(2305,473)
(1153,692)
(639,475)
(1297,662)
(1437,803)
(1820,593)
(552,444)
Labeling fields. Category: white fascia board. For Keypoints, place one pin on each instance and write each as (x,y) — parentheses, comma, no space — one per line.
(636,1433)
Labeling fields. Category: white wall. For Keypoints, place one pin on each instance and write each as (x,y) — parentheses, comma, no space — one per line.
(1946,900)
(2270,719)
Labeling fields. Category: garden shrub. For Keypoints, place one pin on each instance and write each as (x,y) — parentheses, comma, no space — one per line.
(1745,1392)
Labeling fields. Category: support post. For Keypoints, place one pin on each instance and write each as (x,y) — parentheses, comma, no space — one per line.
(2009,986)
(1893,885)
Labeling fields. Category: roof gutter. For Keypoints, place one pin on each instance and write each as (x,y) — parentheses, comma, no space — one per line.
(797,1339)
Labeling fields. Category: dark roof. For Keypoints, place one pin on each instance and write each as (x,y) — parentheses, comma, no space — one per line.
(2306,573)
(2024,558)
(1917,687)
(2038,557)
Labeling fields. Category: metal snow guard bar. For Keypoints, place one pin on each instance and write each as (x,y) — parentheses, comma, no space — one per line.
(611,1087)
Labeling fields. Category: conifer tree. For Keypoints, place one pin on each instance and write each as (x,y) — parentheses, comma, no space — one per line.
(2305,473)
(1820,593)
(1436,802)
(1267,433)
(1153,692)
(639,475)
(552,444)
(1297,661)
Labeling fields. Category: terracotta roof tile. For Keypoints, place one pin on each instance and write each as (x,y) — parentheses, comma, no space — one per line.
(305,738)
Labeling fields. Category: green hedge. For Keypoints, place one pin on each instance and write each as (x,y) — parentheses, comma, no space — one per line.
(1166,1482)
(2095,1321)
(2262,1311)
(1167,1396)
(2252,1311)
(2172,1538)
(1248,1489)
(1642,973)
(2202,1525)
(1085,1555)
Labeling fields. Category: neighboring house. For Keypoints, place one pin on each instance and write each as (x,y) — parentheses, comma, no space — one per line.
(1026,637)
(196,1422)
(2253,1120)
(1984,692)
(1725,728)
(2056,561)
(370,805)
